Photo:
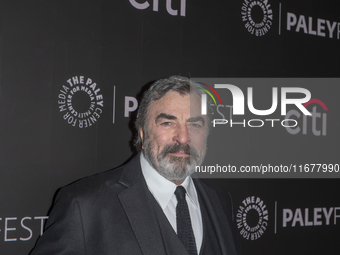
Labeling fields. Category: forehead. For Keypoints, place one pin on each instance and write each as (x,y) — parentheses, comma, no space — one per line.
(176,104)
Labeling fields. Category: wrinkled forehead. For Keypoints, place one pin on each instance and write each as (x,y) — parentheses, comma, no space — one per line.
(183,106)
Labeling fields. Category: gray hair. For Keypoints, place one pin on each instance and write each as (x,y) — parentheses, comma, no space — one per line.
(159,89)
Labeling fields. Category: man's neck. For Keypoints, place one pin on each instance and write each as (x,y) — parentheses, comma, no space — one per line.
(178,182)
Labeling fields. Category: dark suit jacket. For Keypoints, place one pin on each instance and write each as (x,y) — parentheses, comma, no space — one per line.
(115,213)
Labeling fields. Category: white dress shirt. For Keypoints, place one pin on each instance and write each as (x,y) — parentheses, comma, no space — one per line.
(163,191)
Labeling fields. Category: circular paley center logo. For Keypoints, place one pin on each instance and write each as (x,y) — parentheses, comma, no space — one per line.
(252,218)
(80,101)
(257,15)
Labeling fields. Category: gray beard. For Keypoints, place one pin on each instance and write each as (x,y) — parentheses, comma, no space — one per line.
(169,166)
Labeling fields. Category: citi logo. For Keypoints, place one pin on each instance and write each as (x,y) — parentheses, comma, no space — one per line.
(146,4)
(316,122)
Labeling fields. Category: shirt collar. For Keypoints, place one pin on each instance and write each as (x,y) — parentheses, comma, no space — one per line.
(163,189)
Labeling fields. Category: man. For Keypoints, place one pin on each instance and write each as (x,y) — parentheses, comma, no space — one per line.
(151,205)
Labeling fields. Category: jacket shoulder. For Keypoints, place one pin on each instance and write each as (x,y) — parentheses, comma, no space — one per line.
(105,180)
(106,183)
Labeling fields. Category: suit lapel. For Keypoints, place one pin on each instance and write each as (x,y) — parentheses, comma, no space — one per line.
(218,218)
(149,223)
(137,202)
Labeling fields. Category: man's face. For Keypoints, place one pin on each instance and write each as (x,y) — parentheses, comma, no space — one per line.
(175,139)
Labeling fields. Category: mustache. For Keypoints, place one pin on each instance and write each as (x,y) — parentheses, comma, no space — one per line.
(180,147)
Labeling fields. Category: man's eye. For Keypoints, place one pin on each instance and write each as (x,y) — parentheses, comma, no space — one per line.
(166,124)
(196,125)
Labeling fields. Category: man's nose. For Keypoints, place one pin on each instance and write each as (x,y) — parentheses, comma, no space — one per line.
(182,135)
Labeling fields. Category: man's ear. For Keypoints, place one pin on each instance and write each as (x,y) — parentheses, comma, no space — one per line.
(141,134)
